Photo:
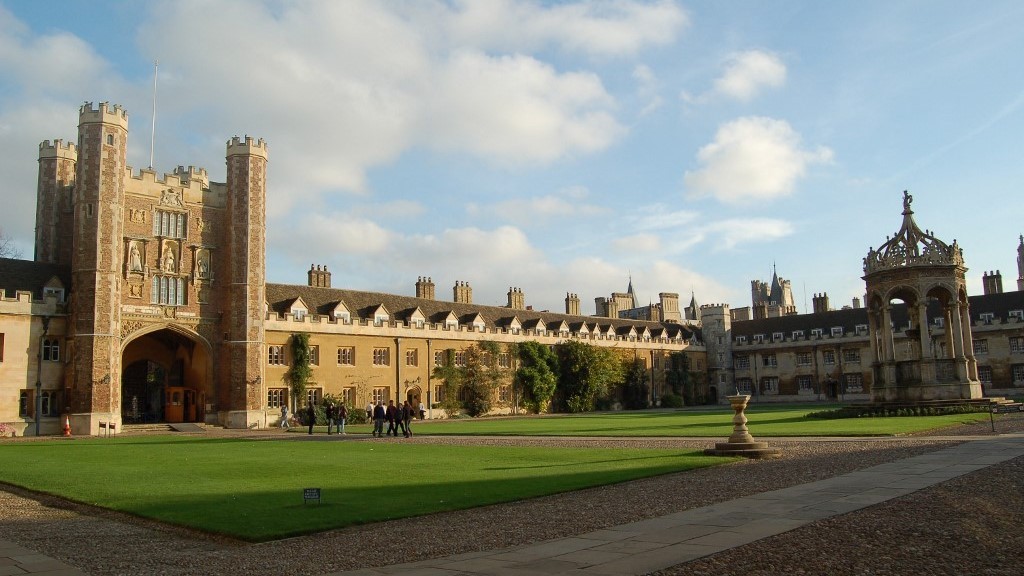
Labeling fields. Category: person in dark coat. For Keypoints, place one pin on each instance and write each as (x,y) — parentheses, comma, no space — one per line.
(407,413)
(330,418)
(378,419)
(393,418)
(311,416)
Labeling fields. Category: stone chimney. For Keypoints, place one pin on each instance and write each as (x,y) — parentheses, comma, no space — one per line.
(463,293)
(319,278)
(425,288)
(992,282)
(856,302)
(820,302)
(516,298)
(572,304)
(669,307)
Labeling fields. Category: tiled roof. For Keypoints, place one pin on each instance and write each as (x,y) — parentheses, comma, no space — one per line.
(27,275)
(323,300)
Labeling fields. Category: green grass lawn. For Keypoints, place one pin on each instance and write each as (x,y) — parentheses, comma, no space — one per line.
(252,489)
(763,420)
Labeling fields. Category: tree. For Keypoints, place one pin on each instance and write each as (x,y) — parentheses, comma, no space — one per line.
(635,390)
(684,381)
(481,376)
(536,375)
(8,248)
(300,372)
(586,373)
(450,374)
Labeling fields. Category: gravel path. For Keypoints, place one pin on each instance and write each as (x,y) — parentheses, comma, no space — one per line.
(971,525)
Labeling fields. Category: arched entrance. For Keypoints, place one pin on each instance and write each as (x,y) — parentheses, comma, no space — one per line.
(414,395)
(167,377)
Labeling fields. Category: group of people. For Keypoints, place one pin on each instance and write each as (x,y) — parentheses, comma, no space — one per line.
(398,417)
(336,416)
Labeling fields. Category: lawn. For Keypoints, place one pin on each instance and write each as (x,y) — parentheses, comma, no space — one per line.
(765,420)
(252,489)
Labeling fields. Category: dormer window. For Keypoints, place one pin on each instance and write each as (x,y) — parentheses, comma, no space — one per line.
(298,314)
(861,329)
(57,293)
(798,335)
(758,338)
(837,331)
(939,322)
(986,317)
(816,332)
(1017,314)
(741,339)
(777,337)
(343,317)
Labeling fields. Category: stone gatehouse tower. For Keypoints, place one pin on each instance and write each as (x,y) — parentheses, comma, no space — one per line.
(936,360)
(165,320)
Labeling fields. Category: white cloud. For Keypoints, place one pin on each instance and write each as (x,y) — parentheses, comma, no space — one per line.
(752,158)
(606,28)
(747,73)
(566,202)
(735,231)
(661,217)
(647,89)
(516,109)
(637,243)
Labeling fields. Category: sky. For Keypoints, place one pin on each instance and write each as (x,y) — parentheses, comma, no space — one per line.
(560,147)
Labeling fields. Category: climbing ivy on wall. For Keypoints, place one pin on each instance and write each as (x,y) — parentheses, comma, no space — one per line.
(300,372)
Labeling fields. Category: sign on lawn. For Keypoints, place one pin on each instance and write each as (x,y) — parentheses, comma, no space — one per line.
(310,494)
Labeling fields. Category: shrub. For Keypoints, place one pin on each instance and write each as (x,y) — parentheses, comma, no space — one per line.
(671,401)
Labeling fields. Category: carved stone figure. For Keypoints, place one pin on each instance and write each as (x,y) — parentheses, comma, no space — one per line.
(168,260)
(134,258)
(203,266)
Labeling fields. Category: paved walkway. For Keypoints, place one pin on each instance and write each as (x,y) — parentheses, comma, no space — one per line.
(659,543)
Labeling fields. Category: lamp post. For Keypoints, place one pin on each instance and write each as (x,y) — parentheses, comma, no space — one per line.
(39,374)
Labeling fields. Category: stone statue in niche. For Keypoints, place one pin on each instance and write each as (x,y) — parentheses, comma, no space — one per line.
(134,257)
(203,266)
(168,260)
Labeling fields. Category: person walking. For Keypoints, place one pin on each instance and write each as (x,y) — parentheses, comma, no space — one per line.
(378,419)
(423,411)
(393,418)
(369,411)
(311,416)
(284,416)
(329,412)
(341,415)
(407,414)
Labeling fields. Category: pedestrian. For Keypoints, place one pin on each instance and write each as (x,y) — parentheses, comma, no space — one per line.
(423,411)
(329,412)
(341,415)
(407,414)
(284,416)
(311,416)
(369,411)
(378,419)
(392,418)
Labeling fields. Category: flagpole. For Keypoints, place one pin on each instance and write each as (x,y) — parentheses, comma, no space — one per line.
(152,139)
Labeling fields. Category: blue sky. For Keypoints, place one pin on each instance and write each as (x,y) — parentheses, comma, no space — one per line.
(556,147)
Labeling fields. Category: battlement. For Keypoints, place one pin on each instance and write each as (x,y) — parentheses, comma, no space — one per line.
(250,146)
(58,149)
(192,174)
(710,306)
(104,114)
(148,178)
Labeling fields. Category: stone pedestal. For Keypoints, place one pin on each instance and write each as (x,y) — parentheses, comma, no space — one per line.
(741,443)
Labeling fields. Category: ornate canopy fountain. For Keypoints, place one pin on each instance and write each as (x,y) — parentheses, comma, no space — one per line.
(919,361)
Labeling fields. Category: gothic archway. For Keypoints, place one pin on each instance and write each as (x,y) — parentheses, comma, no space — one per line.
(167,376)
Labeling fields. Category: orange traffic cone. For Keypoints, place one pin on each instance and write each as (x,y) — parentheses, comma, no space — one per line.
(67,425)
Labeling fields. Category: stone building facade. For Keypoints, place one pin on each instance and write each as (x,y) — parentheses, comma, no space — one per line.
(147,302)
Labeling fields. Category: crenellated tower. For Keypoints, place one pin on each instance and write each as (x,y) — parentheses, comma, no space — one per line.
(54,214)
(98,207)
(241,368)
